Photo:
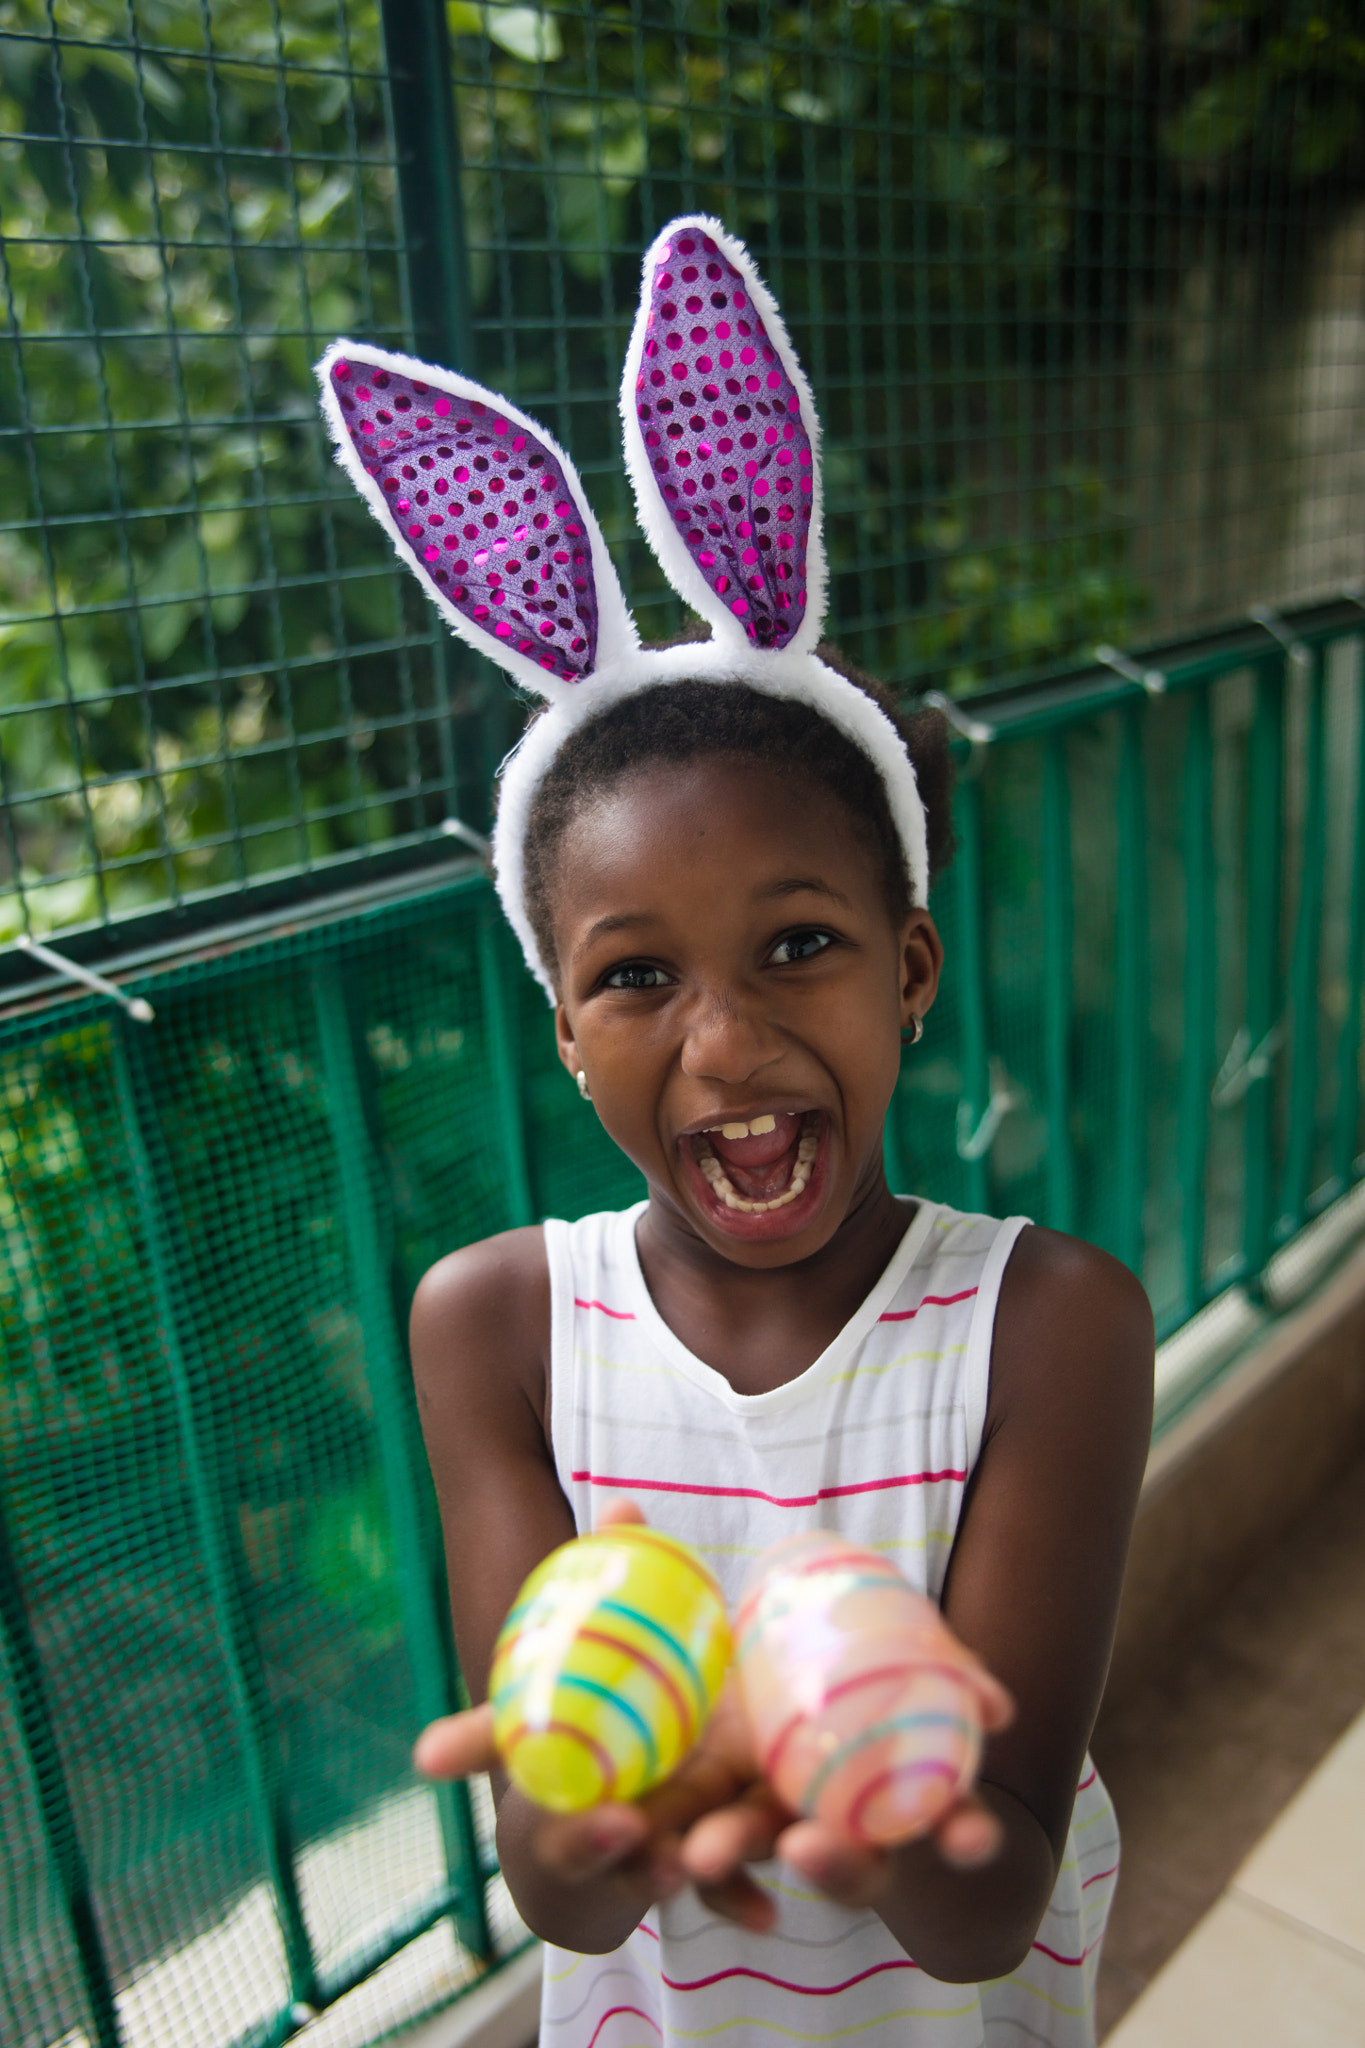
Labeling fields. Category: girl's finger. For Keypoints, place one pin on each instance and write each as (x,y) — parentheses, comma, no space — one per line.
(576,1846)
(738,1898)
(457,1746)
(716,1845)
(618,1511)
(969,1834)
(851,1873)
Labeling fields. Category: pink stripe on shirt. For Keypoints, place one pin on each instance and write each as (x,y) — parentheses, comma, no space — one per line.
(906,1315)
(799,1500)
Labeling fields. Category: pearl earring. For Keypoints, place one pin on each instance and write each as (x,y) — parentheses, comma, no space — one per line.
(583,1085)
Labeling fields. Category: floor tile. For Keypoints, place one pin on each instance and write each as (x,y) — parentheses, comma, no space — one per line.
(1246,1979)
(1203,1760)
(1311,1865)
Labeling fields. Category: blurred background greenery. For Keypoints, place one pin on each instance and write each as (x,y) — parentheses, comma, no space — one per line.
(1062,273)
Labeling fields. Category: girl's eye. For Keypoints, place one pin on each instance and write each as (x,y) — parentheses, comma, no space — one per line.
(799,946)
(635,974)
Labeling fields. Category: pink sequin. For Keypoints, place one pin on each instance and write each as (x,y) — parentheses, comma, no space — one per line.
(464,474)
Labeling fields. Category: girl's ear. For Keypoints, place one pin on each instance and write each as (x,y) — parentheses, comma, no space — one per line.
(484,508)
(565,1043)
(921,965)
(723,444)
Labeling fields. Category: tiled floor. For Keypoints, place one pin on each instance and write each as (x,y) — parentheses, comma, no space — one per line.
(1203,1762)
(1280,1960)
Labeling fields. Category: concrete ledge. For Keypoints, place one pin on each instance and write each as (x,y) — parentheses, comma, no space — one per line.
(503,2012)
(1232,1476)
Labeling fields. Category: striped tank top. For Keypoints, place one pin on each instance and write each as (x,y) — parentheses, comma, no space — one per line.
(876,1439)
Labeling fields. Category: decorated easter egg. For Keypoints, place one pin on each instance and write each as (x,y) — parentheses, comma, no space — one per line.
(857,1693)
(607,1668)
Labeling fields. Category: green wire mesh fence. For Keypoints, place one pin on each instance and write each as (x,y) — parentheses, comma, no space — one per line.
(222,1611)
(1078,287)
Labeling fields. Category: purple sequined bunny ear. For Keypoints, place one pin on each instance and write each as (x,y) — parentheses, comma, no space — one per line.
(722,442)
(485,509)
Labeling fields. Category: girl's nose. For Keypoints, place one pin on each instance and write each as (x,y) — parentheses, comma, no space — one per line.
(727,1039)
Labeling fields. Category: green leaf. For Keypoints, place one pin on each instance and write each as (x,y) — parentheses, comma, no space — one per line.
(524,32)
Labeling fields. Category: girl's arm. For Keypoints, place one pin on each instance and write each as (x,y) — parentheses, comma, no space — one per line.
(1033,1588)
(480,1352)
(480,1335)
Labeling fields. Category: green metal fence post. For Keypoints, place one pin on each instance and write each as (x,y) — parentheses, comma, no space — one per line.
(971,972)
(1131,992)
(1347,1120)
(1303,968)
(894,1156)
(436,274)
(421,1574)
(1200,983)
(141,1093)
(498,1001)
(71,1878)
(430,197)
(1265,805)
(1056,990)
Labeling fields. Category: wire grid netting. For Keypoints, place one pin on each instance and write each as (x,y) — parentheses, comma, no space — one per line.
(1183,1228)
(1078,287)
(188,1287)
(207,671)
(193,1358)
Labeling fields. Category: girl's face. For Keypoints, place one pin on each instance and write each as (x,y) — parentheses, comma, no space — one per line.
(734,987)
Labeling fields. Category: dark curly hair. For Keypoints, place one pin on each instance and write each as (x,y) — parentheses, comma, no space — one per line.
(689,720)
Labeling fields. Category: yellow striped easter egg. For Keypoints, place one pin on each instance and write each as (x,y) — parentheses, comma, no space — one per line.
(607,1668)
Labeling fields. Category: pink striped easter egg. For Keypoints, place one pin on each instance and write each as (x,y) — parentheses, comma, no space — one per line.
(856,1691)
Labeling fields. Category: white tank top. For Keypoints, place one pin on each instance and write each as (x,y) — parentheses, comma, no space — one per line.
(876,1439)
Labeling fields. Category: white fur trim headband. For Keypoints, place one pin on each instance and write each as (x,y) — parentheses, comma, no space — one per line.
(722,443)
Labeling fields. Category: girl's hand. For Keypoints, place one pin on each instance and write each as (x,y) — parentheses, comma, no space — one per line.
(636,1848)
(713,1816)
(852,1873)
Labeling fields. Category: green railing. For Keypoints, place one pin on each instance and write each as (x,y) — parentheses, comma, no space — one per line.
(1157,925)
(223,1601)
(1077,287)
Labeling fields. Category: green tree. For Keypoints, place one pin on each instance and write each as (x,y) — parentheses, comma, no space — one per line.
(210,668)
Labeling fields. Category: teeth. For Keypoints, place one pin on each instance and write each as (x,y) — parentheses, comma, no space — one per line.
(722,1185)
(759,1128)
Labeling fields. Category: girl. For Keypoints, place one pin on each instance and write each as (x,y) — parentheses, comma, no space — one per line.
(717,857)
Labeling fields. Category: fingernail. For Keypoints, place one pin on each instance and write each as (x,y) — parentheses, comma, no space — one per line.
(612,1832)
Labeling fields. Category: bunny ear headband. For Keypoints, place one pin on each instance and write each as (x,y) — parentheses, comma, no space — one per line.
(723,447)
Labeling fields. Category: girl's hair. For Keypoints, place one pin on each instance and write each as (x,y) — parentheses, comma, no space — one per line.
(693,720)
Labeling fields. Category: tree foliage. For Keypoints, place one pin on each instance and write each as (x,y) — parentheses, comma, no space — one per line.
(209,669)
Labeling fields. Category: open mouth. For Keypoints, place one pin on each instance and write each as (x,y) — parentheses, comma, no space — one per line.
(753,1168)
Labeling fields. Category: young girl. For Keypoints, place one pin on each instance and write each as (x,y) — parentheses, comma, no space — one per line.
(717,857)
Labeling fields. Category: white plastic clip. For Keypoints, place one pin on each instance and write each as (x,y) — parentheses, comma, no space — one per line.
(974,730)
(137,1007)
(1299,655)
(1244,1065)
(975,1144)
(1153,680)
(455,828)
